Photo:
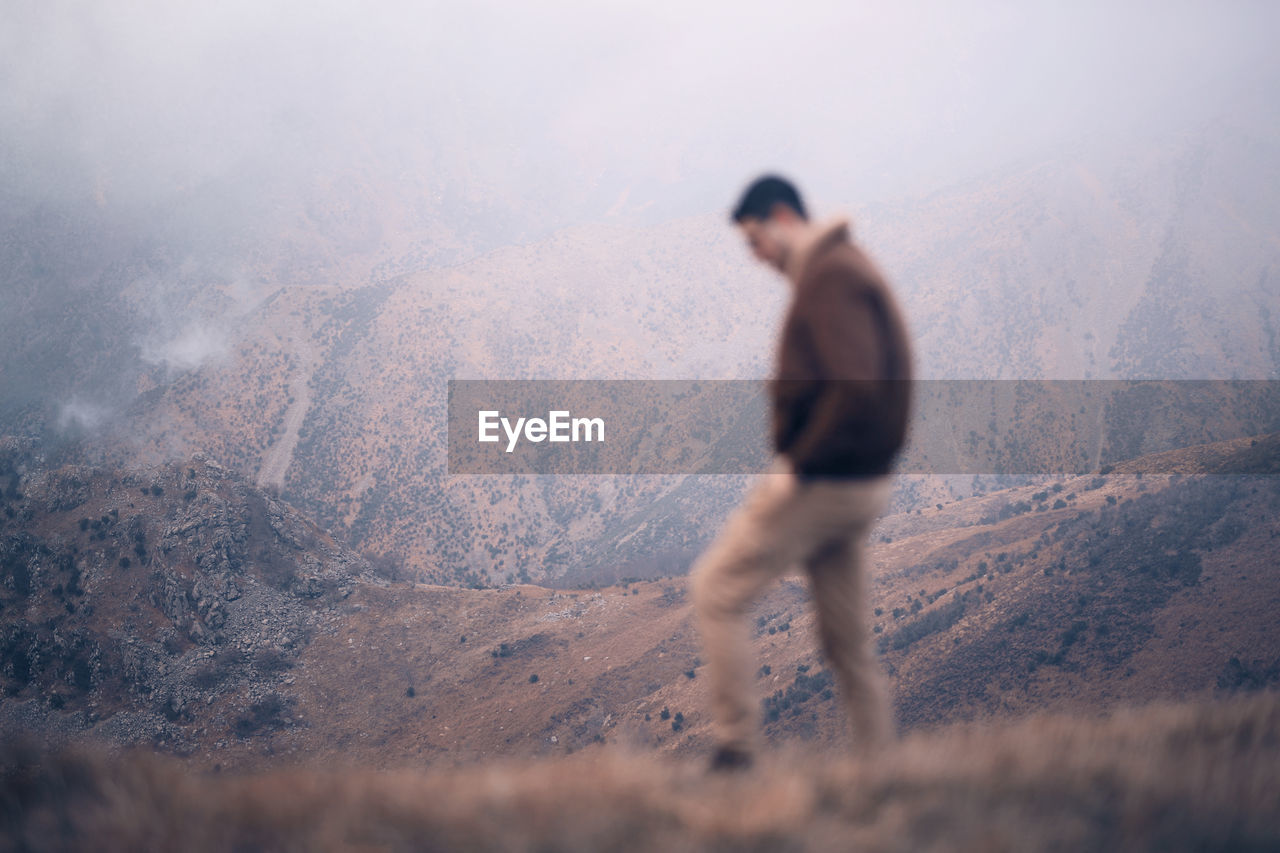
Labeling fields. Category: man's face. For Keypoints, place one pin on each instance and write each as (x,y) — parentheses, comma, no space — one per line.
(763,239)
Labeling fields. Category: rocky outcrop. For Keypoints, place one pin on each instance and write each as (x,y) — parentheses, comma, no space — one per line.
(164,606)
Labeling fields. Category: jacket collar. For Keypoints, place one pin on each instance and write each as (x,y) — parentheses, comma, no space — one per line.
(822,237)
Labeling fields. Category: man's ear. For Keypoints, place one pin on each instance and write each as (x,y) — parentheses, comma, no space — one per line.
(783,213)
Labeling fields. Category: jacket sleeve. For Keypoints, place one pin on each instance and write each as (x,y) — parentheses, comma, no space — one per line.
(839,320)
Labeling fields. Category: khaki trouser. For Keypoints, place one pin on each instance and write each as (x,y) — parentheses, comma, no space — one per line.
(784,522)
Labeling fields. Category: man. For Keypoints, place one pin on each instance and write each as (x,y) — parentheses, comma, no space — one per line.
(839,406)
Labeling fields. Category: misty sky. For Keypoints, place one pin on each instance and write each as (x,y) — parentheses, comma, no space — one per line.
(677,102)
(159,146)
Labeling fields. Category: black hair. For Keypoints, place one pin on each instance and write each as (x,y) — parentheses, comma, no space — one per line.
(766,191)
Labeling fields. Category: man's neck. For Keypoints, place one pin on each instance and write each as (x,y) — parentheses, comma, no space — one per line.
(807,239)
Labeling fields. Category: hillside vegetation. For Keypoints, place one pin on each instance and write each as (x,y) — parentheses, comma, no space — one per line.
(184,609)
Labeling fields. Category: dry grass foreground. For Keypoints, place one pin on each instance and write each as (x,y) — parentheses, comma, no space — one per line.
(1190,777)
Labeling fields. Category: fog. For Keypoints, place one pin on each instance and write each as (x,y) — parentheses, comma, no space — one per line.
(189,154)
(538,104)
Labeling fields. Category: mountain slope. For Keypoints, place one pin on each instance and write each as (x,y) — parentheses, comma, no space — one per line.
(1149,262)
(239,633)
(149,607)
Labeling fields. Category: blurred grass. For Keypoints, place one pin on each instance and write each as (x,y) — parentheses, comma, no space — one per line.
(1165,778)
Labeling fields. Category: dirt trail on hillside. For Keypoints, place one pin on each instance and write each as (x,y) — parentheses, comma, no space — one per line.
(278,458)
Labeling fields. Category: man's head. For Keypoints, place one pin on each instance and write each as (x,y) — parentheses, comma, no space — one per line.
(771,215)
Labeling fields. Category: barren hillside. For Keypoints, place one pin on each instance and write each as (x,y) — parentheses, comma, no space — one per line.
(184,609)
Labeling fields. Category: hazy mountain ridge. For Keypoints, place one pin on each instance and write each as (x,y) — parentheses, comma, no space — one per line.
(1141,263)
(1053,270)
(335,393)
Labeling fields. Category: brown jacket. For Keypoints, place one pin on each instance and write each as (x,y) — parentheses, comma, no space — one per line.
(842,394)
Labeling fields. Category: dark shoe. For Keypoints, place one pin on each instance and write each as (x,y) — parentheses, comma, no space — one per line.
(730,759)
